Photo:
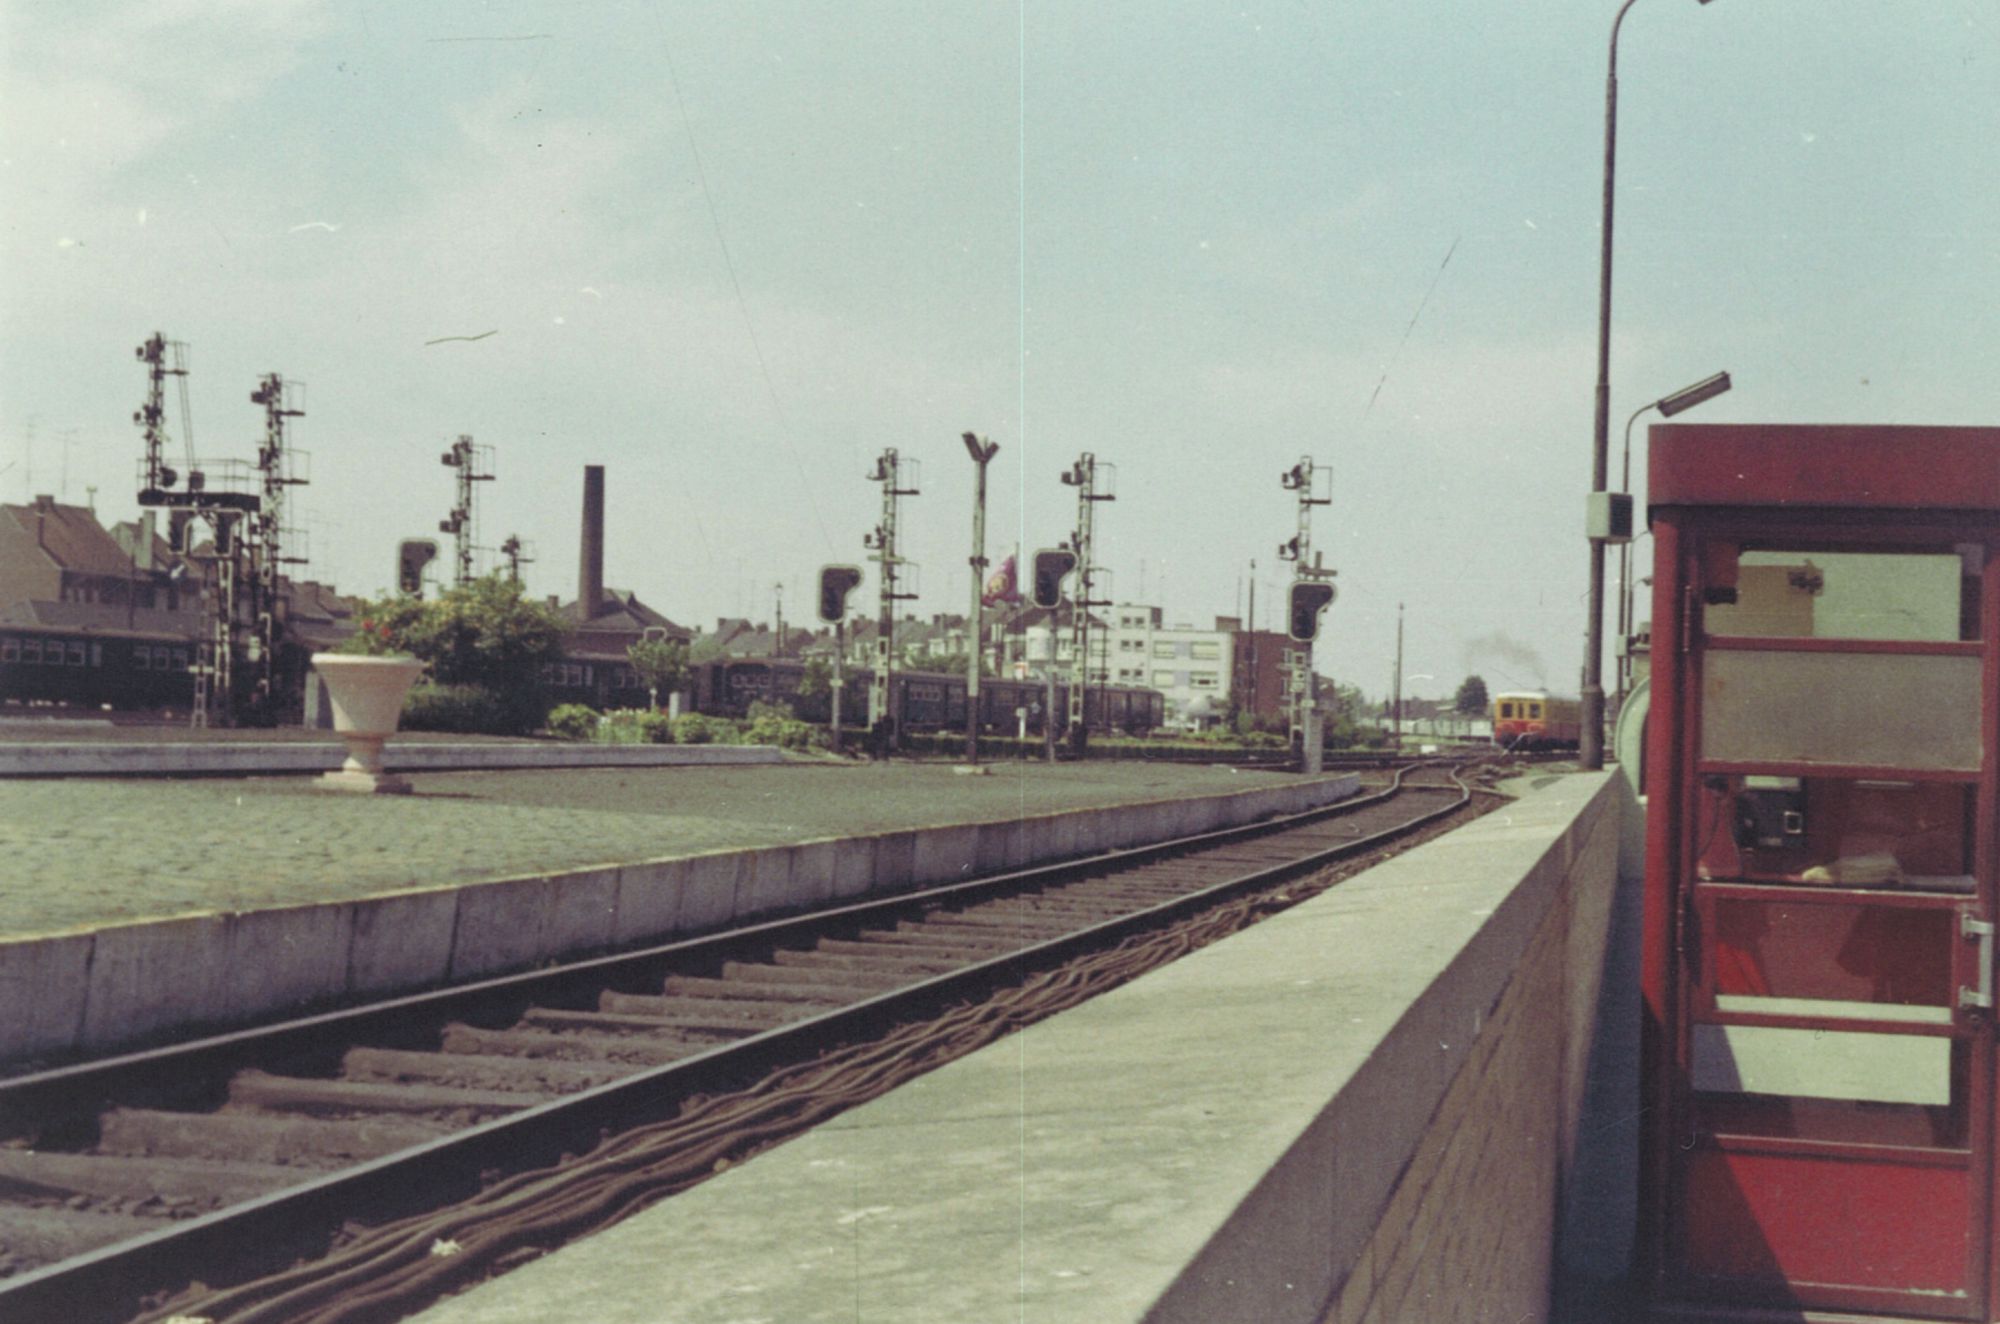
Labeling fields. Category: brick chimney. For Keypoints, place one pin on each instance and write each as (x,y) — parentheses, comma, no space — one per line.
(590,575)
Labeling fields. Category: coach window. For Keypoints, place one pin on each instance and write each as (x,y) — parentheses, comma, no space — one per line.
(141,660)
(180,659)
(10,650)
(96,654)
(52,653)
(77,652)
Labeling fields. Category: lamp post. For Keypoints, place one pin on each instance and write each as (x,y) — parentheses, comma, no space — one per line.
(1590,751)
(1668,405)
(982,453)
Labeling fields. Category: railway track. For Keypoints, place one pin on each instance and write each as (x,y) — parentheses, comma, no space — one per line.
(219,1161)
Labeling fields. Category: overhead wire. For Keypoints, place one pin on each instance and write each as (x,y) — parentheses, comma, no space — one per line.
(736,284)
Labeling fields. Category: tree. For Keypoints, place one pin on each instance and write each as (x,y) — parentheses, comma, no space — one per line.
(1472,698)
(816,679)
(483,636)
(662,664)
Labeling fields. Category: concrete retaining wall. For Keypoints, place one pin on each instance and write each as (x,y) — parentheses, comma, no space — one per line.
(1455,1138)
(128,984)
(239,758)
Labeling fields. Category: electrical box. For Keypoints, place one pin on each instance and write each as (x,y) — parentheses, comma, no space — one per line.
(1608,517)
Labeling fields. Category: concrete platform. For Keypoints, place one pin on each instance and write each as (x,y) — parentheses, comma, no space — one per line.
(155,909)
(1361,1109)
(250,758)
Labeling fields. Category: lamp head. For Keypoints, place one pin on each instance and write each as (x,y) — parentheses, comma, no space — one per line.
(1690,396)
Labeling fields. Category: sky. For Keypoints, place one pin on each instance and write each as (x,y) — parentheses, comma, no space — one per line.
(732,252)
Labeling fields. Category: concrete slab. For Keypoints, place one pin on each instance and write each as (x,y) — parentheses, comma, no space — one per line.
(765,884)
(853,865)
(708,890)
(286,958)
(813,865)
(649,901)
(400,942)
(583,911)
(42,986)
(150,977)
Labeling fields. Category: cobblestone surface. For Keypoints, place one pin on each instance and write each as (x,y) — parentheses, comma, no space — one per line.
(83,853)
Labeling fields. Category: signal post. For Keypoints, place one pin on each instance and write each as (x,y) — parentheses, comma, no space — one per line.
(835,583)
(1311,591)
(1052,566)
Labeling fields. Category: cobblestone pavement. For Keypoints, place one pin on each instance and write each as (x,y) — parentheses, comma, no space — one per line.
(83,853)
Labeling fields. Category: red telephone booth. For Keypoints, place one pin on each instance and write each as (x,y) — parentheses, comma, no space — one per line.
(1818,971)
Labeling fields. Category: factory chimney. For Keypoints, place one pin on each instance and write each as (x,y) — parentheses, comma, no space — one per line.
(590,578)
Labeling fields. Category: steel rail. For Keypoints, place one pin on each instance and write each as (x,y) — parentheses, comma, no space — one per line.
(271,1231)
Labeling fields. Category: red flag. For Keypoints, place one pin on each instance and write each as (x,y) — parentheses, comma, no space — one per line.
(1000,587)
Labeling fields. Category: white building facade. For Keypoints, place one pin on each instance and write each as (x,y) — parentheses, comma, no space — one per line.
(1190,666)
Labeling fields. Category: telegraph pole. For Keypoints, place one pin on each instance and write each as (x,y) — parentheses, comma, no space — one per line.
(1398,688)
(982,453)
(892,472)
(1303,478)
(1083,477)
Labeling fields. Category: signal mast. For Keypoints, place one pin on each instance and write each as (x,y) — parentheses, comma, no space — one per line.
(463,522)
(241,601)
(1311,591)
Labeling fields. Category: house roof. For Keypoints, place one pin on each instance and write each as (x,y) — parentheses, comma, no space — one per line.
(70,536)
(620,612)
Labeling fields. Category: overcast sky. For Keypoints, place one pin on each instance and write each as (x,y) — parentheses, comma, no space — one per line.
(732,251)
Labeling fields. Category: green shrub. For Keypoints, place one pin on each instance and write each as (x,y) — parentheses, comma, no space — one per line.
(573,721)
(463,709)
(695,729)
(636,726)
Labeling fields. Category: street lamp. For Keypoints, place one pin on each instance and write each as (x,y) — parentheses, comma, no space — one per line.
(982,453)
(1668,405)
(1590,752)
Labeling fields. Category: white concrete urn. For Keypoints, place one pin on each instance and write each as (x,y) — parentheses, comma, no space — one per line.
(367,695)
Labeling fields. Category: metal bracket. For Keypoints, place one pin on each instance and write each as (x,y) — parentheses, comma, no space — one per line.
(1982,931)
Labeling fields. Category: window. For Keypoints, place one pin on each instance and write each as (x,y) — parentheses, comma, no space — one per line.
(1205,652)
(96,654)
(1163,680)
(1203,680)
(162,657)
(1164,649)
(77,653)
(52,653)
(1506,710)
(1914,596)
(10,650)
(142,659)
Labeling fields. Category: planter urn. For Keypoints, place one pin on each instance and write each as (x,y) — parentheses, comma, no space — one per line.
(367,695)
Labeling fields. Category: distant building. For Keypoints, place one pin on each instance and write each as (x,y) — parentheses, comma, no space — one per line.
(57,553)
